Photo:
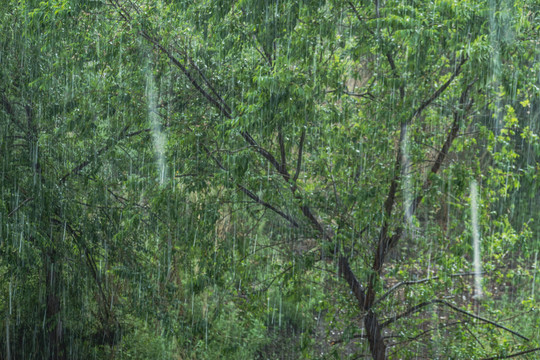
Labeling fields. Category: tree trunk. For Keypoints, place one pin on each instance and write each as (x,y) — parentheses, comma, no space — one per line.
(54,323)
(365,301)
(374,335)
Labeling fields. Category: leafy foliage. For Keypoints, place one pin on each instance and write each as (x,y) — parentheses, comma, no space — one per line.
(230,179)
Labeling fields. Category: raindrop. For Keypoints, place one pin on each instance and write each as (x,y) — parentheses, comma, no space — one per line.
(476,241)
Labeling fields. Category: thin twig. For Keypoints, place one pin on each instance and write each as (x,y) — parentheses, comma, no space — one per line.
(20,206)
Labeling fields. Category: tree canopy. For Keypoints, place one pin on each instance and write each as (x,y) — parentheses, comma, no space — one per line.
(269,179)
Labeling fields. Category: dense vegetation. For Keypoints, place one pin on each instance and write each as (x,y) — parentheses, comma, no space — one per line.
(269,179)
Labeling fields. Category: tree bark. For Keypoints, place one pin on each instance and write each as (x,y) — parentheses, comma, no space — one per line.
(374,335)
(53,322)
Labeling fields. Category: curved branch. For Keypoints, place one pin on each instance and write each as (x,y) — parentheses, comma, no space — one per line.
(513,355)
(418,307)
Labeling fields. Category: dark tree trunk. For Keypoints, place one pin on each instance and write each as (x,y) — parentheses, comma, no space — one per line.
(54,323)
(374,334)
(365,301)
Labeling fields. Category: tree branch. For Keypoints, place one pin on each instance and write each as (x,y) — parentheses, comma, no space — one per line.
(357,14)
(227,113)
(452,135)
(386,243)
(267,205)
(418,307)
(440,90)
(216,102)
(11,112)
(283,165)
(355,286)
(513,355)
(266,154)
(77,169)
(420,281)
(299,161)
(20,206)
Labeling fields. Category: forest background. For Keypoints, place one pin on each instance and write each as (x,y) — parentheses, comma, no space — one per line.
(269,179)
